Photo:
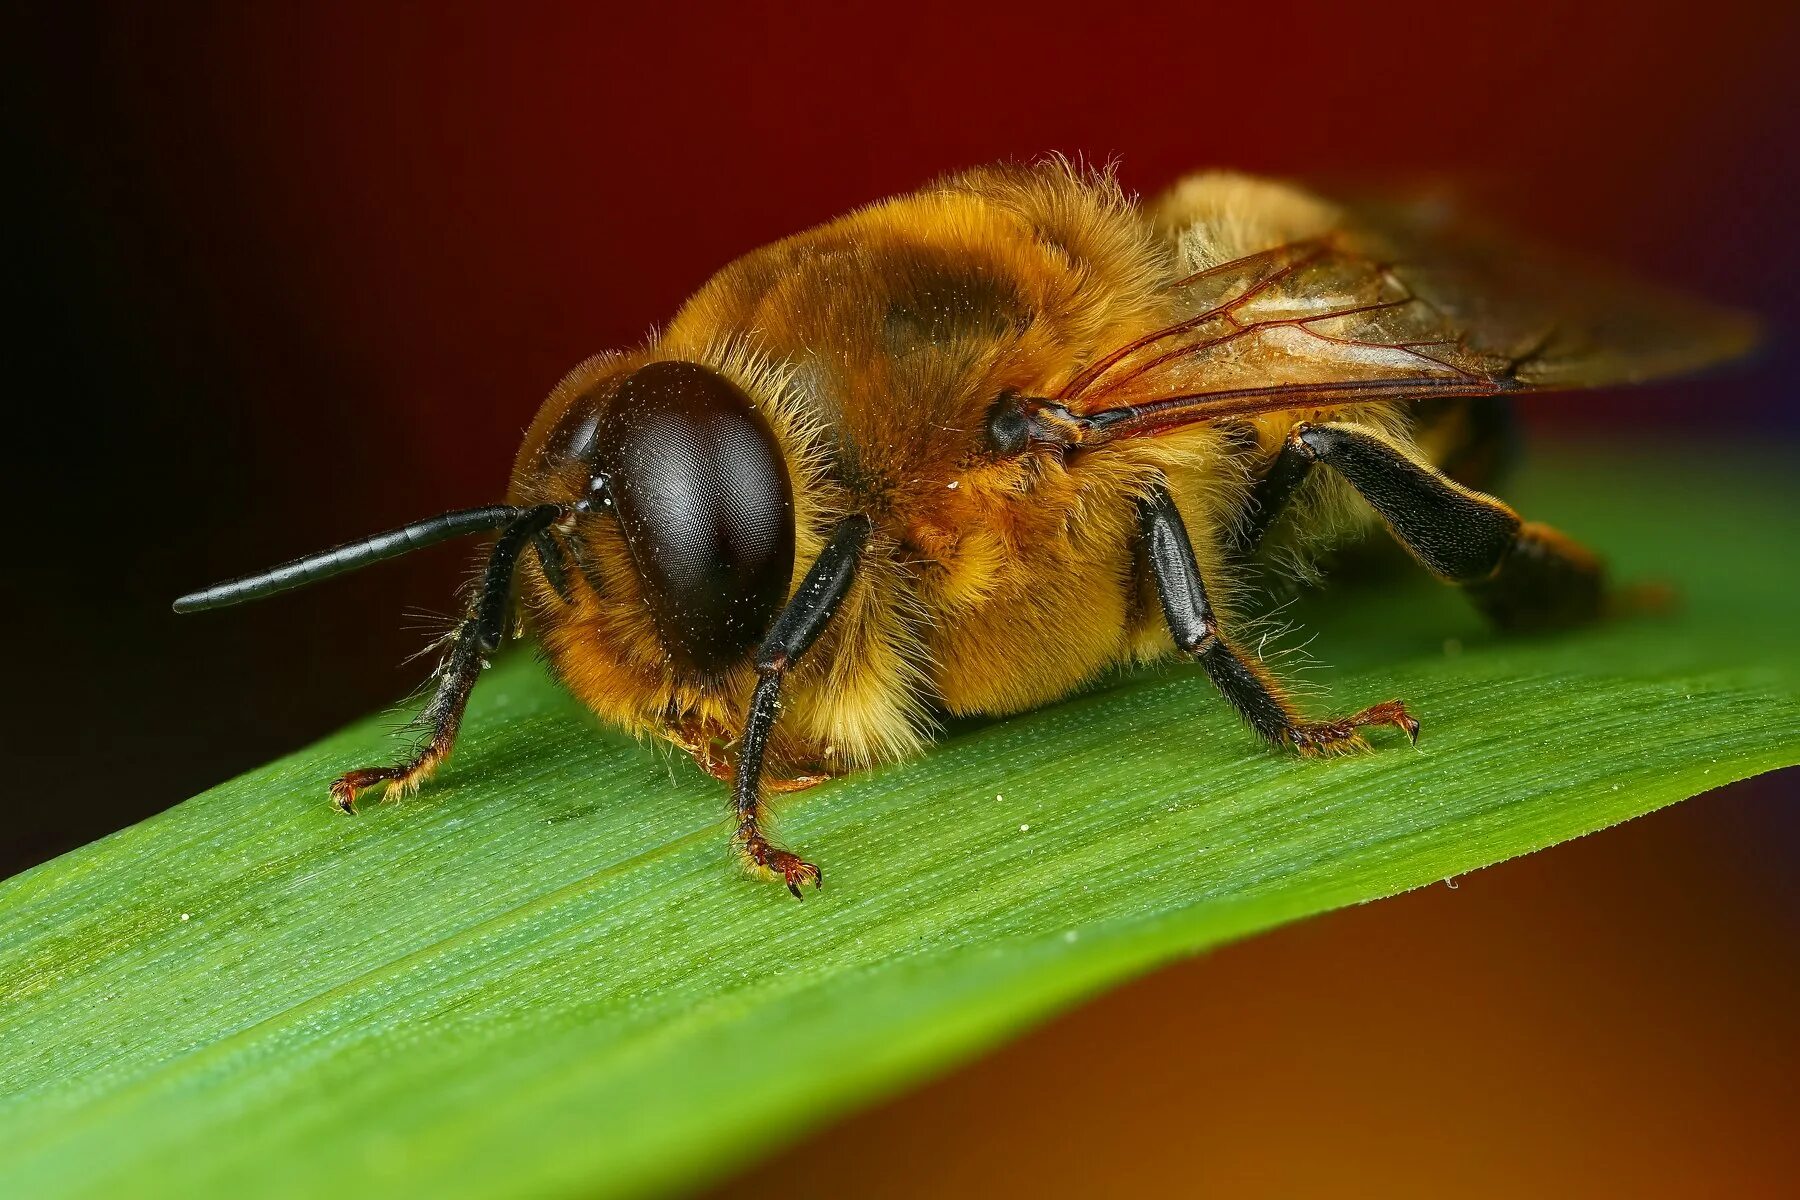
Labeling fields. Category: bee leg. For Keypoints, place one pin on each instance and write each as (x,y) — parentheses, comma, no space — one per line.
(795,629)
(479,635)
(1244,682)
(554,563)
(1520,574)
(702,744)
(699,740)
(442,716)
(798,783)
(720,767)
(1269,498)
(1477,444)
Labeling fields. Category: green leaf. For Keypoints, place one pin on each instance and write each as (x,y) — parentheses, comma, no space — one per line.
(545,976)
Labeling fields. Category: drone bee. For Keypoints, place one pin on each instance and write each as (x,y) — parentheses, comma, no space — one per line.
(967,449)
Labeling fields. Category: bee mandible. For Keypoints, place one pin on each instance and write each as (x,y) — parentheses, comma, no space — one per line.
(965,450)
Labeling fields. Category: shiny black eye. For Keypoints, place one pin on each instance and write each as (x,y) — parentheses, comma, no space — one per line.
(704,498)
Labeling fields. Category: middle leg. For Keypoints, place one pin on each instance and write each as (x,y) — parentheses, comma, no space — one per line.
(1244,682)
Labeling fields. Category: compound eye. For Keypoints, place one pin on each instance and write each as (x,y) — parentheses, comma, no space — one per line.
(703,495)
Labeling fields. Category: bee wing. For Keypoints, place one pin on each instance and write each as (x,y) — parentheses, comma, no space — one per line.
(1397,303)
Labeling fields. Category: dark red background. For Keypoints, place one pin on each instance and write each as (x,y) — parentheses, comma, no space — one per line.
(295,275)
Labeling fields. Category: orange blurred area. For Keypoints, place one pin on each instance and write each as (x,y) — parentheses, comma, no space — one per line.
(1613,1017)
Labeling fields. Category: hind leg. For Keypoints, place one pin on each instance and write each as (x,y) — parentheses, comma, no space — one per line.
(1521,574)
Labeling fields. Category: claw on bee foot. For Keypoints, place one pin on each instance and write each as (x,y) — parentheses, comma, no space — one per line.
(345,787)
(399,781)
(1342,735)
(776,863)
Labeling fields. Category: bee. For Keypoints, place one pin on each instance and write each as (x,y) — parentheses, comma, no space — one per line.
(965,450)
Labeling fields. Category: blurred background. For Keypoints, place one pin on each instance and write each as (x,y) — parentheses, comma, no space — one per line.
(291,274)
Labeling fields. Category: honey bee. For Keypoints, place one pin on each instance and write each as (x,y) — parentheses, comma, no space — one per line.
(965,450)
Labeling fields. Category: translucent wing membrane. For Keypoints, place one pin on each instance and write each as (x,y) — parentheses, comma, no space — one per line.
(1394,305)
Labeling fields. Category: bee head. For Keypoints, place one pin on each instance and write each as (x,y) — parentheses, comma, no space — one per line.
(693,474)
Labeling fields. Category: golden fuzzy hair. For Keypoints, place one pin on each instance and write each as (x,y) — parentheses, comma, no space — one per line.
(875,345)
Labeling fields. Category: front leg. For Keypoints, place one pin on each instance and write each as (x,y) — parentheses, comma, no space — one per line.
(1244,682)
(708,746)
(795,629)
(479,634)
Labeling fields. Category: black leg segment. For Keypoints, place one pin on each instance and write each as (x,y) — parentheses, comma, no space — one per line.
(1520,575)
(495,600)
(1244,682)
(796,628)
(1458,534)
(553,560)
(1170,556)
(479,634)
(1269,498)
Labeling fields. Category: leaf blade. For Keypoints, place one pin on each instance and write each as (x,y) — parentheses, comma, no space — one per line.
(544,976)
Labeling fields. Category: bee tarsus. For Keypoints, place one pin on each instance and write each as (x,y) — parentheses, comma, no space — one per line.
(785,865)
(1342,735)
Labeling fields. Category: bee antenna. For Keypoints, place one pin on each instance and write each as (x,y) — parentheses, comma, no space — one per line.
(350,556)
